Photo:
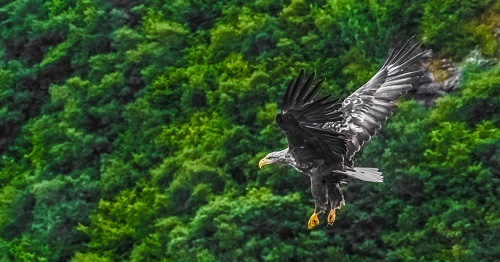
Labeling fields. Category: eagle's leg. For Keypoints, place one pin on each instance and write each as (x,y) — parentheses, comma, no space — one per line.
(336,199)
(318,190)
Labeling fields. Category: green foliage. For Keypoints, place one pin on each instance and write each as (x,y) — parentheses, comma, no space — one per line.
(460,22)
(457,180)
(131,131)
(119,222)
(232,227)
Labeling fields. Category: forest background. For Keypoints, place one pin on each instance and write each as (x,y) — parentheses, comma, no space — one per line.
(131,131)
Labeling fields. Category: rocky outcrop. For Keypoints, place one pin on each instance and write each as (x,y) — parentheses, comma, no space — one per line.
(441,77)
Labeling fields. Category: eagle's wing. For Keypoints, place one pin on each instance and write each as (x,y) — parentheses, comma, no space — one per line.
(366,109)
(301,118)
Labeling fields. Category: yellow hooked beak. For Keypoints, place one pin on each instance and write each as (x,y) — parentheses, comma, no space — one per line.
(263,162)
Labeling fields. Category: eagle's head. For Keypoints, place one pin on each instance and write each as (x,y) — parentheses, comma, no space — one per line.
(279,157)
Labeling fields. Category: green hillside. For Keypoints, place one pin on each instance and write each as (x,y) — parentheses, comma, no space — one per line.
(132,130)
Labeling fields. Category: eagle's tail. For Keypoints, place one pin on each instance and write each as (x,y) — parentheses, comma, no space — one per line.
(368,174)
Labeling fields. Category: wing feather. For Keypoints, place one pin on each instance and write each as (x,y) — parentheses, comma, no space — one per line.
(338,130)
(372,104)
(301,119)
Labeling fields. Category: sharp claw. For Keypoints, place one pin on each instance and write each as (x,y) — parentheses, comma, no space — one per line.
(331,217)
(313,221)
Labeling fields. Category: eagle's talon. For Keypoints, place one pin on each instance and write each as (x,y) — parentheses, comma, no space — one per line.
(313,221)
(331,217)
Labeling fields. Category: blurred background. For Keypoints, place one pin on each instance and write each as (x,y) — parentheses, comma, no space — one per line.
(132,130)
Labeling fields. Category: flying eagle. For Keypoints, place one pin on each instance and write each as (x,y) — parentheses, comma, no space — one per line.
(324,135)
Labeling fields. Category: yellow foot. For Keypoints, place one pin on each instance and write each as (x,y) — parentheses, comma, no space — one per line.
(313,221)
(331,217)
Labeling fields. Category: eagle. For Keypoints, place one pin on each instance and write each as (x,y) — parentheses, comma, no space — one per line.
(325,134)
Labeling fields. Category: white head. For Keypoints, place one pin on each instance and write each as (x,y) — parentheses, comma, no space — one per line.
(278,157)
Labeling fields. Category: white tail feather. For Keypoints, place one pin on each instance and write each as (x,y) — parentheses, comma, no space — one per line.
(368,174)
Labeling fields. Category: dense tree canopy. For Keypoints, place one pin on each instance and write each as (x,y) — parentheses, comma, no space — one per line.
(131,131)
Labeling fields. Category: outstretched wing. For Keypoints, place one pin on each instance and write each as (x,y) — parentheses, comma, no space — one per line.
(369,107)
(301,119)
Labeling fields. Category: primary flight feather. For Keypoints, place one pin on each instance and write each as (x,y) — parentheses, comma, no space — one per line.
(325,134)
